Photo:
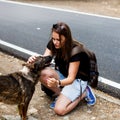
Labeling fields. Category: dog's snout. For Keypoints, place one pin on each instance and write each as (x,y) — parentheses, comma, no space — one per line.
(48,59)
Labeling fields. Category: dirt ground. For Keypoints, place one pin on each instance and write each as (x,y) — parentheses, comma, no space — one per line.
(106,107)
(101,7)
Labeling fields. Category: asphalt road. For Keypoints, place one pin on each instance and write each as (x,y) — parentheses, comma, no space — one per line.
(29,27)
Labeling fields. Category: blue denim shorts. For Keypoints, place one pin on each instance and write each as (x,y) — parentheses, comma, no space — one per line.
(74,90)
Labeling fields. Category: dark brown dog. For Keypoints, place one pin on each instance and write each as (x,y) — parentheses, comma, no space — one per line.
(18,87)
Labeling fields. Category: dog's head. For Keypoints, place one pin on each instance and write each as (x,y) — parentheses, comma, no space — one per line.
(40,63)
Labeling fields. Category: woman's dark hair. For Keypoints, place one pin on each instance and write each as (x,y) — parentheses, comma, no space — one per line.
(62,29)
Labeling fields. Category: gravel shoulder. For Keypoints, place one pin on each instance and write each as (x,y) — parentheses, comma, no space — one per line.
(106,107)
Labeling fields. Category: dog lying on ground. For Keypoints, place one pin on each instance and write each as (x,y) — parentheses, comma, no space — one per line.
(18,87)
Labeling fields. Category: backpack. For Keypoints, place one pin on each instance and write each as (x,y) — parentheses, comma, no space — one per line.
(93,70)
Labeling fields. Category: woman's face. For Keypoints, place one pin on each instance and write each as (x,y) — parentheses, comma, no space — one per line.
(56,40)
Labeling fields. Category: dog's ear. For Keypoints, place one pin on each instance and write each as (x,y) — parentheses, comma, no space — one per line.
(29,65)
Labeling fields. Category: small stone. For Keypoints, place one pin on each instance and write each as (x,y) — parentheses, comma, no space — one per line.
(66,118)
(32,111)
(93,118)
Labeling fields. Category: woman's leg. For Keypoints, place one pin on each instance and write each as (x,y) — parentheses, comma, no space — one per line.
(46,73)
(64,105)
(70,96)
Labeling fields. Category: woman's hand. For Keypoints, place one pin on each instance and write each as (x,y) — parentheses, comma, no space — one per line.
(32,59)
(52,82)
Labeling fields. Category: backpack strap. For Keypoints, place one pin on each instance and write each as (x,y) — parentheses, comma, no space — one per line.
(77,49)
(93,80)
(81,48)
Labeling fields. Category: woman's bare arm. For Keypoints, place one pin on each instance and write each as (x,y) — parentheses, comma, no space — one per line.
(47,52)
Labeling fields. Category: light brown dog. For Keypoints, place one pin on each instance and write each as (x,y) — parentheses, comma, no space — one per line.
(18,87)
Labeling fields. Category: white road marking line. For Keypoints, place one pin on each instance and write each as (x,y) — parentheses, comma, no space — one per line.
(109,82)
(23,50)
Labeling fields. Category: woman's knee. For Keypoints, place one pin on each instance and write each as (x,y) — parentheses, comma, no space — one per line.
(59,110)
(48,72)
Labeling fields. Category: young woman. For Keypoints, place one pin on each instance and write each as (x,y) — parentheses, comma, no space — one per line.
(66,73)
